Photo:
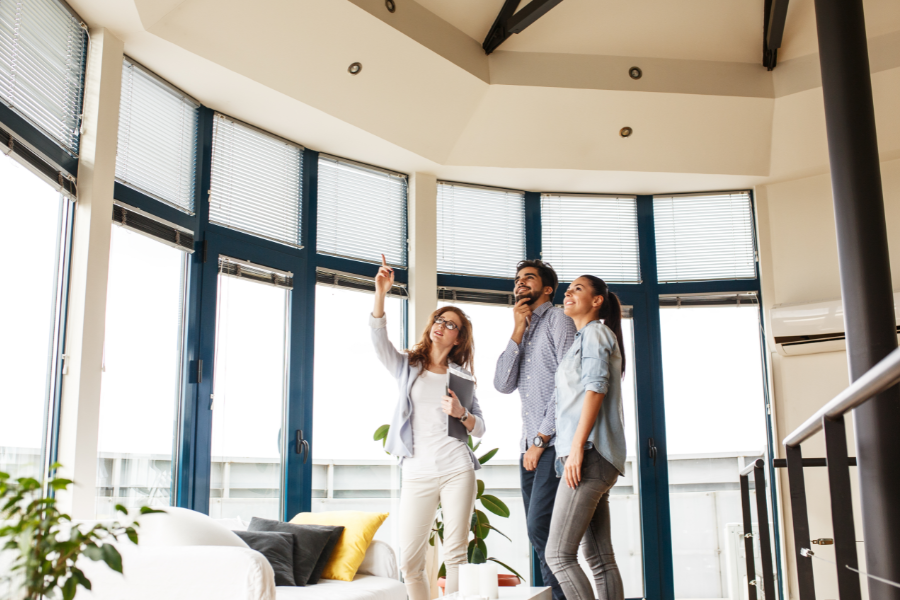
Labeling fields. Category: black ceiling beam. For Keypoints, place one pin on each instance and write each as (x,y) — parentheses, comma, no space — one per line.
(773,31)
(509,21)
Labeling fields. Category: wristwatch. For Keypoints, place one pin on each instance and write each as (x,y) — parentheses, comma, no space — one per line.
(539,442)
(465,417)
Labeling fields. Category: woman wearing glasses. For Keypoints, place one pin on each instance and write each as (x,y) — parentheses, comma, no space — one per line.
(437,468)
(590,442)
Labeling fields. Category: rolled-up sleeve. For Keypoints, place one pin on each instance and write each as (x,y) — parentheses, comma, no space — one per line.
(506,376)
(479,429)
(595,354)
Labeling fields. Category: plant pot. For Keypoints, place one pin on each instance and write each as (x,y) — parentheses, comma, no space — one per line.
(503,580)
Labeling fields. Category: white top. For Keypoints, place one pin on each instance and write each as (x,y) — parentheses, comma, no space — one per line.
(435,454)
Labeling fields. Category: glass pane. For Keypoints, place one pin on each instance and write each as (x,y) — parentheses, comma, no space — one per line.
(29,316)
(141,386)
(350,470)
(248,410)
(712,375)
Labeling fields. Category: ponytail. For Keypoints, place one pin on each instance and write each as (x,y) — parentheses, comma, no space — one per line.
(610,312)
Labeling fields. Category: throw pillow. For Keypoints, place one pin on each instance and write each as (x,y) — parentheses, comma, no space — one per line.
(309,541)
(277,547)
(359,529)
(326,553)
(183,527)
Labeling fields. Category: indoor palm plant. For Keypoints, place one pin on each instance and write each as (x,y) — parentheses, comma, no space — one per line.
(481,526)
(45,544)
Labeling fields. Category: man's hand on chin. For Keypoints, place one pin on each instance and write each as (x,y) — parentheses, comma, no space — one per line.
(531,458)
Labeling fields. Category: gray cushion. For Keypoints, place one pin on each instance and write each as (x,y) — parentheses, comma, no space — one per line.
(309,542)
(278,548)
(336,532)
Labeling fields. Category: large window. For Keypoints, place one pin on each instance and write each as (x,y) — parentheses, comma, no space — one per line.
(354,395)
(256,182)
(704,236)
(30,309)
(157,149)
(142,372)
(480,231)
(249,391)
(43,50)
(715,424)
(596,235)
(361,212)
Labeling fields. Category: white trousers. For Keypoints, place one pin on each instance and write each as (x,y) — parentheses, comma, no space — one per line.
(419,499)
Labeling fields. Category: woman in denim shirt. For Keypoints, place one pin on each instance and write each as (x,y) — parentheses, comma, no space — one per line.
(590,442)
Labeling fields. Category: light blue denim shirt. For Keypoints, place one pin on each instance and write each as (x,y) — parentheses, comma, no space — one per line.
(594,362)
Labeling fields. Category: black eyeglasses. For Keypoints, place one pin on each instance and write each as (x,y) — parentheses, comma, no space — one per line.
(446,323)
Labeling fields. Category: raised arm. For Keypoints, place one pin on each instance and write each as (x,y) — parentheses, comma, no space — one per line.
(390,357)
(506,376)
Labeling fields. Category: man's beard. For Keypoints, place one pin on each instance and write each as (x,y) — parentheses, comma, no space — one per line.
(532,297)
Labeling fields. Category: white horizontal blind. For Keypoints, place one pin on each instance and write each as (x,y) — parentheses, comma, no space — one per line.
(361,212)
(256,179)
(42,58)
(591,235)
(157,150)
(704,237)
(480,231)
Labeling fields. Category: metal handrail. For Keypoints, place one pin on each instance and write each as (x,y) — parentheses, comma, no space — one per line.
(755,464)
(876,380)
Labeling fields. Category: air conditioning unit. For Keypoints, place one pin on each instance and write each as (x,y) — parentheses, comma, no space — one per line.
(814,327)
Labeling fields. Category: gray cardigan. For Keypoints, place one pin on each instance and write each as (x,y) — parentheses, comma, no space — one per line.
(400,438)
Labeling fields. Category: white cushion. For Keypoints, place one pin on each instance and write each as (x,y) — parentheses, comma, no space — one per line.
(380,561)
(184,573)
(232,523)
(183,527)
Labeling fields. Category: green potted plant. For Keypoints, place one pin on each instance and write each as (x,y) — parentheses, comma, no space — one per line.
(46,544)
(481,526)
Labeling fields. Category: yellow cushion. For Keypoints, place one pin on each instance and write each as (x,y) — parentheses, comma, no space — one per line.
(359,529)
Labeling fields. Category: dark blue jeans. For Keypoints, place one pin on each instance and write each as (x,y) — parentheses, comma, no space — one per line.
(539,493)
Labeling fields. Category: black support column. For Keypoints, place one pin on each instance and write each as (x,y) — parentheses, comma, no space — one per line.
(865,276)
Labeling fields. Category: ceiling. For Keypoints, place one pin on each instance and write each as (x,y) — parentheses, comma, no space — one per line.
(543,112)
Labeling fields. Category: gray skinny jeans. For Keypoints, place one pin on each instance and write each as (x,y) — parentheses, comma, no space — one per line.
(582,516)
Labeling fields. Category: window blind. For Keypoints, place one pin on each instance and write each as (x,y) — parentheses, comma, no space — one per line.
(157,150)
(256,179)
(361,212)
(459,295)
(232,267)
(704,237)
(480,231)
(42,58)
(152,226)
(355,282)
(591,235)
(12,146)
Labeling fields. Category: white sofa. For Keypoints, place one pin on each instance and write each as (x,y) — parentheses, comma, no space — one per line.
(174,562)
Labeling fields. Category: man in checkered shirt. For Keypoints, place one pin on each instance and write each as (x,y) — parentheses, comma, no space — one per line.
(542,334)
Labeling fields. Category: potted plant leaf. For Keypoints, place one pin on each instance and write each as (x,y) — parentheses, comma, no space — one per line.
(480,526)
(46,544)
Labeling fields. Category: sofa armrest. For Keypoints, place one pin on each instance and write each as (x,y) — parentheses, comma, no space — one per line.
(182,573)
(380,561)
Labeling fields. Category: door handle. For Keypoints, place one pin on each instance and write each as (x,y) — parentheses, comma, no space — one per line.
(651,450)
(301,446)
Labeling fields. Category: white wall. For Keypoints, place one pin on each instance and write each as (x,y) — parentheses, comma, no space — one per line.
(798,258)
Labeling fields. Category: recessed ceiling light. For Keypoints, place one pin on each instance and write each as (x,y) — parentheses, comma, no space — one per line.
(635,73)
(390,5)
(626,131)
(355,68)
